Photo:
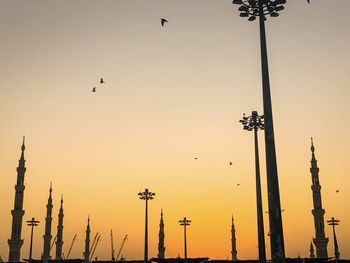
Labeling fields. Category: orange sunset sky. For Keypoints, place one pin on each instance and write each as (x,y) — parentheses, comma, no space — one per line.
(171,94)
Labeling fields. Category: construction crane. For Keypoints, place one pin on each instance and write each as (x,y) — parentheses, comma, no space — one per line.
(94,248)
(93,242)
(112,246)
(121,247)
(71,246)
(53,242)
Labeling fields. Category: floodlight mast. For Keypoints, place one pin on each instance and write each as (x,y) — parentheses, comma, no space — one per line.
(253,9)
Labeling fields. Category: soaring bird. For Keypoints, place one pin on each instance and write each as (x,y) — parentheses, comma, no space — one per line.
(102,81)
(337,191)
(195,158)
(163,21)
(94,89)
(230,163)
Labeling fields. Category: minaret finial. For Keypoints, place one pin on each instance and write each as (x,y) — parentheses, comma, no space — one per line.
(61,199)
(312,145)
(23,146)
(50,188)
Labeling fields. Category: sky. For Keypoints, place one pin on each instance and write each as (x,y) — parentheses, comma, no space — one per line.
(172,93)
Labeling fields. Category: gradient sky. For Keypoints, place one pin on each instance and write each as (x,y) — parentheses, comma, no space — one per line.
(171,94)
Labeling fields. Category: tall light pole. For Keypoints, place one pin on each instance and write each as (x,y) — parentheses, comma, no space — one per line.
(253,9)
(185,222)
(255,123)
(146,195)
(32,223)
(334,222)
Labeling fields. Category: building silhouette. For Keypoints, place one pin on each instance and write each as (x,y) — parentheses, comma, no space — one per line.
(59,241)
(48,220)
(320,239)
(87,242)
(312,251)
(161,247)
(233,241)
(15,243)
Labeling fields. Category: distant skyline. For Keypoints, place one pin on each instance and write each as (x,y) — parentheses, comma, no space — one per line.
(172,93)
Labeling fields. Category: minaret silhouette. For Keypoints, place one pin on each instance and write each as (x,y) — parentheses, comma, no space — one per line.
(320,239)
(87,242)
(59,241)
(15,243)
(161,247)
(48,221)
(233,241)
(312,251)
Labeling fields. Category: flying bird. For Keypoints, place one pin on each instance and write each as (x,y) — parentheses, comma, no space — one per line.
(230,163)
(94,89)
(195,158)
(102,81)
(337,191)
(163,21)
(308,1)
(238,184)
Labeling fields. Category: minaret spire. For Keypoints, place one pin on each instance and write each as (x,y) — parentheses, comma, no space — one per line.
(233,241)
(48,220)
(15,243)
(312,251)
(59,241)
(87,242)
(320,239)
(161,247)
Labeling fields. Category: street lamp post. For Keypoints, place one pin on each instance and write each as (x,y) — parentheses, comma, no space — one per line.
(185,222)
(255,123)
(146,195)
(253,9)
(334,222)
(32,223)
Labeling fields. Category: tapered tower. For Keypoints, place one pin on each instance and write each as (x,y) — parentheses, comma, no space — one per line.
(312,251)
(15,243)
(87,242)
(59,241)
(47,236)
(320,239)
(233,241)
(161,247)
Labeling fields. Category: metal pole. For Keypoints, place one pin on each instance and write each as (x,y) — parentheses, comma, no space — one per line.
(146,231)
(185,243)
(260,219)
(275,219)
(31,244)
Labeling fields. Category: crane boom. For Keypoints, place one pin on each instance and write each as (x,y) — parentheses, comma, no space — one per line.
(112,246)
(121,247)
(71,246)
(53,242)
(93,242)
(94,248)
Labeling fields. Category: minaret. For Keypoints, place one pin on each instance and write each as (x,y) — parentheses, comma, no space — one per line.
(320,239)
(48,220)
(161,247)
(59,241)
(312,251)
(87,242)
(15,243)
(233,241)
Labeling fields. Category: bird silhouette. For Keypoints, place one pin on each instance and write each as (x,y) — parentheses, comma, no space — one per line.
(94,89)
(102,81)
(230,163)
(163,21)
(337,191)
(308,1)
(195,158)
(238,184)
